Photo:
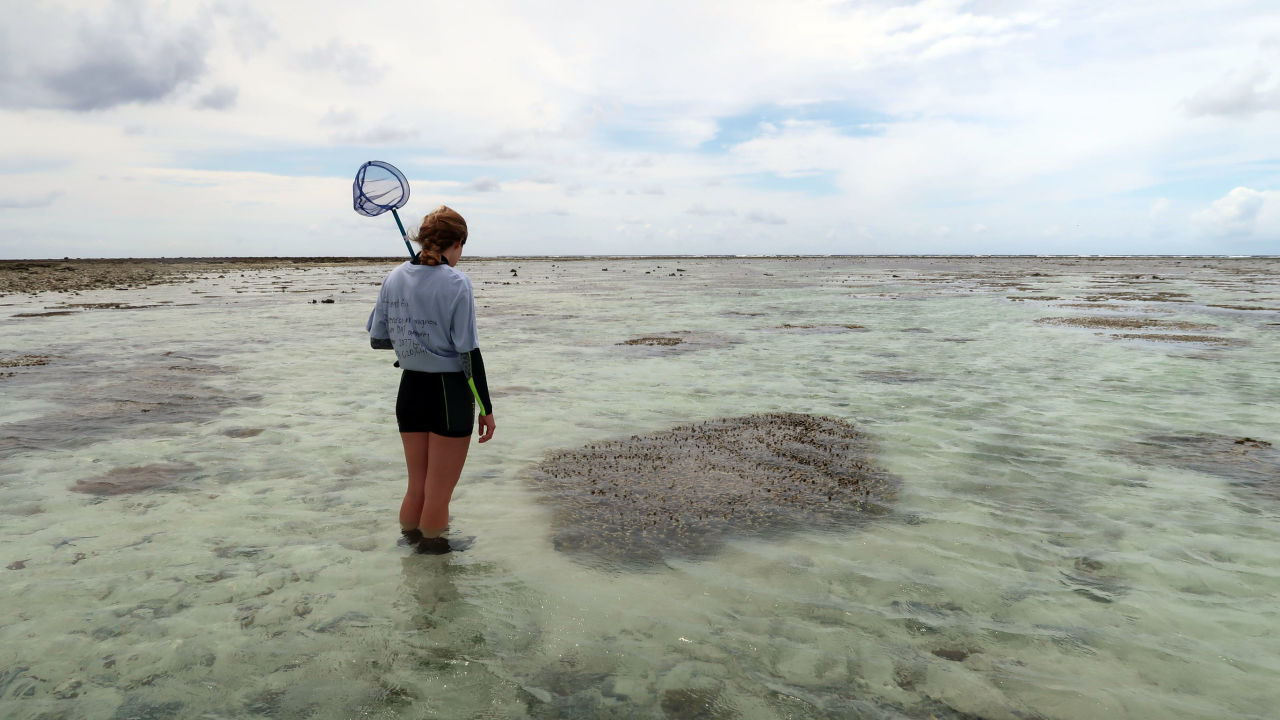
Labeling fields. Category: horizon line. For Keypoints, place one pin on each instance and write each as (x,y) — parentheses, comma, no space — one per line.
(720,256)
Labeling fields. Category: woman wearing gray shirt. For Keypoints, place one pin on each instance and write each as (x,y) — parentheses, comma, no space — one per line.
(426,312)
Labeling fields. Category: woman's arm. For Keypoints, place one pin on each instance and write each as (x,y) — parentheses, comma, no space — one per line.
(379,337)
(473,368)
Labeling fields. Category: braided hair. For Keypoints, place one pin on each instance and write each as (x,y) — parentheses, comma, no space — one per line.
(440,229)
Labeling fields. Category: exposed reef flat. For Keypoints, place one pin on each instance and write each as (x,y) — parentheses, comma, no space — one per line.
(73,275)
(1194,339)
(653,341)
(631,502)
(1141,323)
(676,342)
(820,329)
(1125,323)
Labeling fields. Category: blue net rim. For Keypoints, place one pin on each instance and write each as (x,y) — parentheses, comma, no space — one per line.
(370,207)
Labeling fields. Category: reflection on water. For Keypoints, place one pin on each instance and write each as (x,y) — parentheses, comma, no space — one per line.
(198,486)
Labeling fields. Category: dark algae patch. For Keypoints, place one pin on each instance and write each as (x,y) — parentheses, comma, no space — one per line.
(820,328)
(1125,323)
(1175,338)
(24,361)
(682,492)
(1245,307)
(1139,296)
(657,341)
(1155,327)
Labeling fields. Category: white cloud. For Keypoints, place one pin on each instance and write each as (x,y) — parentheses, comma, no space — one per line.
(484,185)
(83,61)
(766,217)
(340,117)
(700,209)
(222,97)
(1241,93)
(353,62)
(250,32)
(1236,213)
(29,201)
(375,135)
(1237,95)
(1159,209)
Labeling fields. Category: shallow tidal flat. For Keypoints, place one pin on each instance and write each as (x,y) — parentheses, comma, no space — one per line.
(727,488)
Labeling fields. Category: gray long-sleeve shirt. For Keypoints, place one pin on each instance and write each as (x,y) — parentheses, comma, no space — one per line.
(428,312)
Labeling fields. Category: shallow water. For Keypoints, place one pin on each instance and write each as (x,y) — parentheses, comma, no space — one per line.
(198,497)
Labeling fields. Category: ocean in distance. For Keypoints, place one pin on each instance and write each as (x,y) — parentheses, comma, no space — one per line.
(199,481)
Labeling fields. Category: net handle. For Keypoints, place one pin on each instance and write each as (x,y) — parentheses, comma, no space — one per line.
(405,236)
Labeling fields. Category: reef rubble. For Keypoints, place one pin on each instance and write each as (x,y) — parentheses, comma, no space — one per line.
(634,501)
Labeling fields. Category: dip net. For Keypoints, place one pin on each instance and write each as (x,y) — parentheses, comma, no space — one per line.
(379,187)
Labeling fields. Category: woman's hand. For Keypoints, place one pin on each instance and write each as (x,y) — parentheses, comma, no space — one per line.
(487,426)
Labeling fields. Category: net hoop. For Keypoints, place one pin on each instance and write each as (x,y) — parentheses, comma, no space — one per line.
(379,187)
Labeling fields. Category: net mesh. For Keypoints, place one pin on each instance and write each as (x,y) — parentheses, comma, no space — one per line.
(379,187)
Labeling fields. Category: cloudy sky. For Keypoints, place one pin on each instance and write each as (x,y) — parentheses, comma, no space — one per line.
(190,128)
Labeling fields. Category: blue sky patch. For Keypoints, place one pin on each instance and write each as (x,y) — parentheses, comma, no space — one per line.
(844,117)
(812,183)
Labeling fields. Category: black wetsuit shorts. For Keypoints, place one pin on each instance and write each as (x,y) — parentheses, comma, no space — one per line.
(435,402)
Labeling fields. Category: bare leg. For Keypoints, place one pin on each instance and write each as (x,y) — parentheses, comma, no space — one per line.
(415,458)
(447,456)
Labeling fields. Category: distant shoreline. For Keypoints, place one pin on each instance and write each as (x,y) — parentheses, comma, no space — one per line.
(361,259)
(33,277)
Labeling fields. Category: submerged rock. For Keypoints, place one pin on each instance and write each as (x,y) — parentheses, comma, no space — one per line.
(894,377)
(684,491)
(676,342)
(135,707)
(138,478)
(242,432)
(160,391)
(1089,578)
(690,704)
(1247,463)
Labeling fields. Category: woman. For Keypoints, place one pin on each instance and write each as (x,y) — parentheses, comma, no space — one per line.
(426,312)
